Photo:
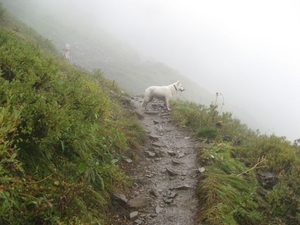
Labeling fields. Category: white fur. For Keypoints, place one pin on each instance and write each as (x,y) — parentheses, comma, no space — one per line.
(162,93)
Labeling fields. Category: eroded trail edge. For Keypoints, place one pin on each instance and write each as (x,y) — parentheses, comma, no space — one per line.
(164,191)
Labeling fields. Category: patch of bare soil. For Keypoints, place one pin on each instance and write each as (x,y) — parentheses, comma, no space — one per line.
(165,178)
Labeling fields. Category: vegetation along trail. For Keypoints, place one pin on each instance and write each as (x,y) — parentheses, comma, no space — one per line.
(164,191)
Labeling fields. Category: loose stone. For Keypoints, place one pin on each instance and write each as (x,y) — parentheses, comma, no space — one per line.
(134,215)
(139,202)
(158,209)
(172,172)
(138,221)
(172,153)
(150,154)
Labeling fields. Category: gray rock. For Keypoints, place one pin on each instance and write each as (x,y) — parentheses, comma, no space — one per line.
(172,194)
(139,202)
(119,197)
(154,137)
(201,170)
(153,193)
(182,187)
(158,209)
(181,154)
(150,154)
(128,160)
(158,144)
(172,172)
(138,221)
(155,121)
(134,215)
(160,153)
(176,162)
(171,153)
(168,200)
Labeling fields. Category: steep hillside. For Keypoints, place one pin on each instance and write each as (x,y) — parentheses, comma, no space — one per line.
(93,48)
(63,134)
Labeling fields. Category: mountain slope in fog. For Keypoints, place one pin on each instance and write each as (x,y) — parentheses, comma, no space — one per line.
(93,48)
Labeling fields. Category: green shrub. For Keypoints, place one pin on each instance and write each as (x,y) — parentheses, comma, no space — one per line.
(189,114)
(280,154)
(209,132)
(60,139)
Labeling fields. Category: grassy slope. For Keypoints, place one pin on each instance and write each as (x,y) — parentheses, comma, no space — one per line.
(62,134)
(233,189)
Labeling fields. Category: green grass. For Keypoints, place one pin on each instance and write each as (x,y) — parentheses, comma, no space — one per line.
(231,190)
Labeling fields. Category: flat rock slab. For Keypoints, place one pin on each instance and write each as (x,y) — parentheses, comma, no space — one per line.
(158,209)
(134,215)
(158,144)
(150,154)
(139,202)
(119,197)
(154,137)
(176,162)
(172,172)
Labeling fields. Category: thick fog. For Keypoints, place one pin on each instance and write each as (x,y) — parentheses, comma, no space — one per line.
(247,50)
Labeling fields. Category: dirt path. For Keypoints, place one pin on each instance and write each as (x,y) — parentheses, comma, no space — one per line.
(165,181)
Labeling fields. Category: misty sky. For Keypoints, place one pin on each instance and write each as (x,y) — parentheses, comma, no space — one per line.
(247,50)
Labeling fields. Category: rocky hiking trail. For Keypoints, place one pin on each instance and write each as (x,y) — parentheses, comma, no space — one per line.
(165,176)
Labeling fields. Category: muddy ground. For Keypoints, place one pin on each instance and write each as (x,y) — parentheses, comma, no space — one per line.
(165,176)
